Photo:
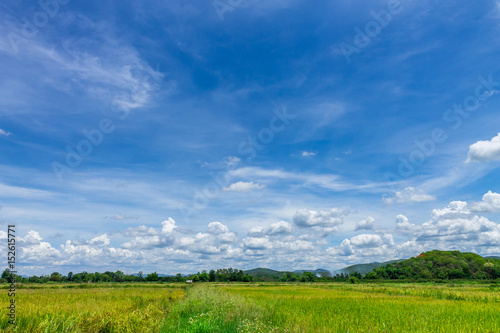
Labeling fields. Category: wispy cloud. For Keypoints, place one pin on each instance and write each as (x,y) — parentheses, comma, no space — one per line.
(243,187)
(408,195)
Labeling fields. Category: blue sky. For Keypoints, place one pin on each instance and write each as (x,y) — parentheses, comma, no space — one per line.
(186,135)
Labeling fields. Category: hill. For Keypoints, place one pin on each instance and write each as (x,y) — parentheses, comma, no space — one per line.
(363,268)
(263,272)
(440,265)
(317,272)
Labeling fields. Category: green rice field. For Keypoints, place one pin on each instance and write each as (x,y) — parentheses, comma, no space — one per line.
(264,307)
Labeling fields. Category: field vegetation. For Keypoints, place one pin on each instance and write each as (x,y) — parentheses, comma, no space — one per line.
(257,307)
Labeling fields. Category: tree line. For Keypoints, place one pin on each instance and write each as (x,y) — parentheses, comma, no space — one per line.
(219,275)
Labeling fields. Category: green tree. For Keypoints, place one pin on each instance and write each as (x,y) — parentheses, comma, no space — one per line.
(56,277)
(152,277)
(309,277)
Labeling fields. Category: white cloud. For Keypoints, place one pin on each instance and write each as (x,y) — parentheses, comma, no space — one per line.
(281,245)
(243,187)
(366,224)
(257,232)
(456,227)
(485,151)
(490,203)
(147,238)
(140,231)
(257,243)
(327,181)
(217,228)
(311,218)
(408,195)
(280,228)
(346,248)
(403,224)
(308,154)
(4,133)
(32,238)
(100,240)
(232,161)
(23,192)
(367,240)
(168,226)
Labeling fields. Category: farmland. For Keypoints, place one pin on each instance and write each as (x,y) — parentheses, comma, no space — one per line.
(264,307)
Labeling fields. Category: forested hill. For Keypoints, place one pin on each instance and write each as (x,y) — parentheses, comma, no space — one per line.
(440,265)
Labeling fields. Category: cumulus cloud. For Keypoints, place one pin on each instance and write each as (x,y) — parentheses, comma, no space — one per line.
(217,228)
(33,249)
(275,229)
(346,248)
(490,203)
(32,238)
(311,218)
(257,243)
(168,226)
(282,244)
(280,228)
(403,224)
(366,224)
(370,240)
(456,227)
(218,239)
(147,238)
(243,187)
(100,240)
(257,232)
(409,194)
(485,151)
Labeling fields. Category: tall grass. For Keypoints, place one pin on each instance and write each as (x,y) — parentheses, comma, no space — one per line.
(210,309)
(95,309)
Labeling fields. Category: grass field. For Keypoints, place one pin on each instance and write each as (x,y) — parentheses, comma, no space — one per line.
(256,308)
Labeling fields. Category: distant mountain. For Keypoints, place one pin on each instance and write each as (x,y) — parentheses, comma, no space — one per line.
(271,272)
(319,271)
(364,268)
(262,272)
